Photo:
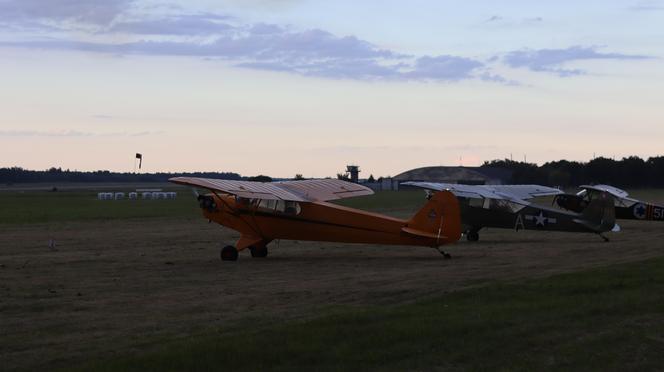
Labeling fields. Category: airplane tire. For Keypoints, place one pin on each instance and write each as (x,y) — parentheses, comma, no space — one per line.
(229,253)
(258,251)
(472,236)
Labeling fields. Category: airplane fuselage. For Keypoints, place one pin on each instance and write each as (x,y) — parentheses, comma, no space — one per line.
(311,221)
(533,217)
(641,211)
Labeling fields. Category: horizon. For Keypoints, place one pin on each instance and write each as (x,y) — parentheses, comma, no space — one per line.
(342,171)
(296,86)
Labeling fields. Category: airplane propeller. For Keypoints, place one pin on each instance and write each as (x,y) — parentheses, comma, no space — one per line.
(195,191)
(204,201)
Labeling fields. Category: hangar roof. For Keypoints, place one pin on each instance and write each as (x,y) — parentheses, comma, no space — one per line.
(481,175)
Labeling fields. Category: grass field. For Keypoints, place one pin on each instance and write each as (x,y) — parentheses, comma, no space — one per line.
(43,207)
(31,207)
(138,285)
(39,207)
(603,319)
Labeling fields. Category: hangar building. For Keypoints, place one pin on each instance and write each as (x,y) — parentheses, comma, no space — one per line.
(464,175)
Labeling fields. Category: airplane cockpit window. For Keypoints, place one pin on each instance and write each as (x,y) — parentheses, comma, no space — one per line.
(267,204)
(243,201)
(292,208)
(625,203)
(475,202)
(505,205)
(590,195)
(277,206)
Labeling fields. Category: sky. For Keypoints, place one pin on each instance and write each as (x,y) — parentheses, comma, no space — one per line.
(285,87)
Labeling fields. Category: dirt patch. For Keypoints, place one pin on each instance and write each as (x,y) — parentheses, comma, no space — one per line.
(112,287)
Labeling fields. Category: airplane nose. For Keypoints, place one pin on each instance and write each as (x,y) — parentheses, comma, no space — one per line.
(207,203)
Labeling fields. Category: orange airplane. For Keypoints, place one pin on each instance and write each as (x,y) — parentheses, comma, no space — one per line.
(299,210)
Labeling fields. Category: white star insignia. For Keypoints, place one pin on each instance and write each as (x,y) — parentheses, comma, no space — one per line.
(540,220)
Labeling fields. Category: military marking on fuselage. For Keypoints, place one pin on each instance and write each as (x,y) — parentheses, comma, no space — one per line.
(541,219)
(640,211)
(518,224)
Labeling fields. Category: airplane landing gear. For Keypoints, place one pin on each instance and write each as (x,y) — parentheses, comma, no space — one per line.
(606,239)
(258,251)
(229,253)
(445,254)
(472,236)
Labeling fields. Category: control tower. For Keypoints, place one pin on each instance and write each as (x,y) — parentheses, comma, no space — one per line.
(354,172)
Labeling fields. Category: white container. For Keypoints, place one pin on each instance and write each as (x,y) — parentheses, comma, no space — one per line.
(119,195)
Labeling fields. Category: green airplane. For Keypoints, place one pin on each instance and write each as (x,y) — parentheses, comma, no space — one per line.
(507,207)
(626,208)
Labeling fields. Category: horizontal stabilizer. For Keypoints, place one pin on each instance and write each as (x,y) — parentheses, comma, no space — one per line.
(591,226)
(422,234)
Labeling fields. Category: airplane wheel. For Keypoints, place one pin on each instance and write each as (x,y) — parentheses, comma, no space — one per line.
(258,251)
(472,236)
(447,256)
(229,253)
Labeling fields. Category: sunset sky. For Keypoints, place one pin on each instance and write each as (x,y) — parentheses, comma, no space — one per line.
(293,86)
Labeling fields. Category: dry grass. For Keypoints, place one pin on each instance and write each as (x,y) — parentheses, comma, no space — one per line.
(116,286)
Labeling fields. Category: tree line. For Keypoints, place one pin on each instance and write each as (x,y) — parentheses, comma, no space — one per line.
(628,172)
(20,175)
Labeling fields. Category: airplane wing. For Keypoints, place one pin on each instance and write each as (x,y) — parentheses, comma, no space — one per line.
(300,191)
(622,198)
(525,192)
(616,192)
(325,189)
(515,193)
(462,191)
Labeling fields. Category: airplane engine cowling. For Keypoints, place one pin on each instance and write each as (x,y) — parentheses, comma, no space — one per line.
(207,202)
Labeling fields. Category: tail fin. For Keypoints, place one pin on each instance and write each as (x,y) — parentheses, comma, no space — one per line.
(600,214)
(440,218)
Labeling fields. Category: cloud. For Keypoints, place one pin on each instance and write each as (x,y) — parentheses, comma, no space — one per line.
(494,18)
(189,24)
(552,60)
(313,53)
(304,46)
(71,133)
(444,68)
(647,5)
(500,21)
(84,11)
(269,5)
(269,47)
(156,30)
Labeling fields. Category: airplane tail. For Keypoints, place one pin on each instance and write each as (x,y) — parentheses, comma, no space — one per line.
(600,214)
(440,218)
